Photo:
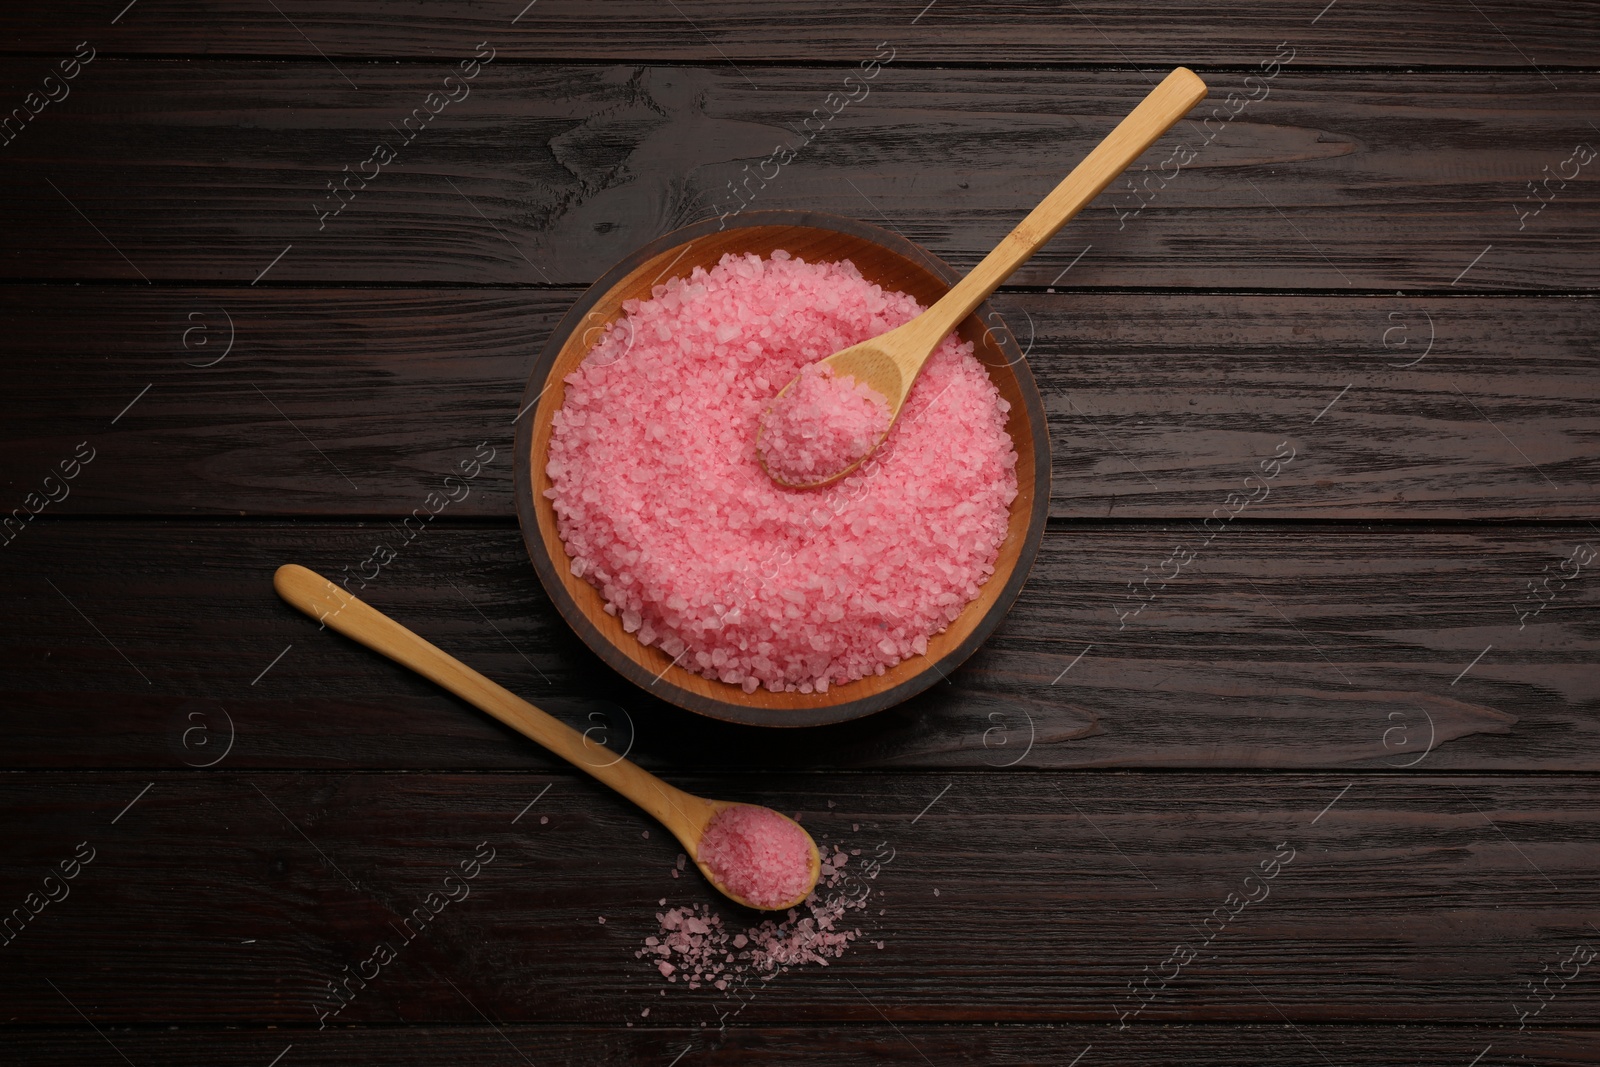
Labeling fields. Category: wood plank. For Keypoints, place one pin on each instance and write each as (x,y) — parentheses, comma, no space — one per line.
(200,170)
(1159,34)
(1303,646)
(235,898)
(1160,404)
(1153,1046)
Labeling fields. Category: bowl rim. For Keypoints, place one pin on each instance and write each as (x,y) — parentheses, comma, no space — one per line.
(730,711)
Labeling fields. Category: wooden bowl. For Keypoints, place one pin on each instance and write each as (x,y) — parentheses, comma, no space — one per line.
(882,257)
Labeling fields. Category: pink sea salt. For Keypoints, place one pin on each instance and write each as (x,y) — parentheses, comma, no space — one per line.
(664,508)
(694,946)
(822,424)
(758,854)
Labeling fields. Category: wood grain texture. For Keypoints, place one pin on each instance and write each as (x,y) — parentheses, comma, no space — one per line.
(1169,1045)
(198,170)
(1502,33)
(1305,646)
(1348,272)
(1159,404)
(234,898)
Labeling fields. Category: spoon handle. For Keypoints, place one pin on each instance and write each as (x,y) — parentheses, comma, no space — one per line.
(1156,113)
(322,600)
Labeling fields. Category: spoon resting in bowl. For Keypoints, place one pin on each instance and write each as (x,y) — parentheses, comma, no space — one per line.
(753,855)
(835,413)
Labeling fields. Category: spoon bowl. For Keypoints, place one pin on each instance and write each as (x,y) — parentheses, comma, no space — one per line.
(716,807)
(873,364)
(685,814)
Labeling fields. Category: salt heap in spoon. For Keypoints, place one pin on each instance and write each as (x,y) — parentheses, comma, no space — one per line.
(821,425)
(758,854)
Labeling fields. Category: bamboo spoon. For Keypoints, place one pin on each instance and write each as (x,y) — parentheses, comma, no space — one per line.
(685,814)
(890,362)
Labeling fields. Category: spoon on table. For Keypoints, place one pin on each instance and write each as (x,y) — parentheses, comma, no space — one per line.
(685,814)
(889,363)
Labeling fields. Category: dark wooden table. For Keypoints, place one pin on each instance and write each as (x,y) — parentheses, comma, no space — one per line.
(1373,254)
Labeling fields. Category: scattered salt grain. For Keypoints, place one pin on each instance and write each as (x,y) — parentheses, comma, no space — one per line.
(664,508)
(758,854)
(602,920)
(544,819)
(702,951)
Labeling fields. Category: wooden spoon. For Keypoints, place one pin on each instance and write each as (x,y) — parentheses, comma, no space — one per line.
(685,814)
(890,362)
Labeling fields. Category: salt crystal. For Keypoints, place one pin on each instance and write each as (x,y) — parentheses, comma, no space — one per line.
(670,516)
(543,819)
(771,948)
